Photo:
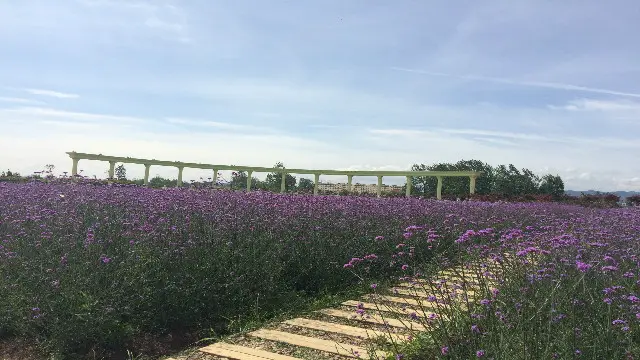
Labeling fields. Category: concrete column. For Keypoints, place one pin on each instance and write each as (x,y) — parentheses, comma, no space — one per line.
(408,187)
(379,188)
(350,183)
(180,168)
(315,184)
(283,183)
(147,167)
(439,189)
(74,168)
(112,169)
(472,184)
(215,177)
(249,173)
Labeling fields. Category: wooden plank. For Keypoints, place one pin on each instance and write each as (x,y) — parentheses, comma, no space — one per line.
(374,319)
(418,303)
(344,329)
(317,344)
(382,307)
(236,352)
(434,285)
(424,294)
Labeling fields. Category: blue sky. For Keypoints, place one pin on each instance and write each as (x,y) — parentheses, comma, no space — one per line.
(551,86)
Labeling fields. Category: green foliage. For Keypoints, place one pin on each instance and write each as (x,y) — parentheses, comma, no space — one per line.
(274,180)
(505,180)
(305,185)
(121,172)
(158,182)
(552,185)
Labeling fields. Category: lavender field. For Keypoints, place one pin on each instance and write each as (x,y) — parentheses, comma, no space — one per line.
(86,266)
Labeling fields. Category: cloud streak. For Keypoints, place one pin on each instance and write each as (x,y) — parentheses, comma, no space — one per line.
(538,84)
(50,93)
(16,100)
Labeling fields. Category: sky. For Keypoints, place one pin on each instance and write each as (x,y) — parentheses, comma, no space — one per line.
(553,86)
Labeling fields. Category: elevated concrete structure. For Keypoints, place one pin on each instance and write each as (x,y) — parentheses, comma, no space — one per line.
(112,160)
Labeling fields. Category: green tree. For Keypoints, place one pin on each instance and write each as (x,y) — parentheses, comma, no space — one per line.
(274,180)
(552,185)
(239,181)
(305,185)
(121,172)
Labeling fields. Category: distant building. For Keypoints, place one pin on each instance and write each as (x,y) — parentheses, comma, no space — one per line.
(357,188)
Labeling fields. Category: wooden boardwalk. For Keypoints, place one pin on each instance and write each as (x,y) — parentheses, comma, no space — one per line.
(351,330)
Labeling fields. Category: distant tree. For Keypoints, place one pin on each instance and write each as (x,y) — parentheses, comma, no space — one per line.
(454,186)
(633,200)
(238,179)
(305,185)
(552,185)
(274,180)
(158,182)
(121,172)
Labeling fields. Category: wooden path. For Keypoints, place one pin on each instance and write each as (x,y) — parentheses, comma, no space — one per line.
(357,327)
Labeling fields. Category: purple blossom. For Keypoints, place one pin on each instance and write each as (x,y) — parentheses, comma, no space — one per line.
(444,350)
(582,267)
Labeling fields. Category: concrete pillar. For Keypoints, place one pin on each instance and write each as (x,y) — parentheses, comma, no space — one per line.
(283,183)
(439,189)
(147,167)
(350,183)
(379,188)
(112,169)
(315,184)
(408,187)
(180,168)
(215,177)
(472,184)
(74,168)
(249,173)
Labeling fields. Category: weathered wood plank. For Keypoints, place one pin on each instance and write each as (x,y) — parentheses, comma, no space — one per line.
(317,344)
(375,319)
(237,352)
(344,329)
(381,307)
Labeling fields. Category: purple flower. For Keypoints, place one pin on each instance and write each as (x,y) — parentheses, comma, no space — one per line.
(373,286)
(609,268)
(480,353)
(582,267)
(444,350)
(405,267)
(379,237)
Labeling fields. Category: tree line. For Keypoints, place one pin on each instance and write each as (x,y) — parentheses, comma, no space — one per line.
(505,180)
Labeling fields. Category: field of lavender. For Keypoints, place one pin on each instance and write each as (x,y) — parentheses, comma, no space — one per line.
(88,267)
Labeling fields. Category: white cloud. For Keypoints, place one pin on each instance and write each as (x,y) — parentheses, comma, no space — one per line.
(540,84)
(38,113)
(19,100)
(599,105)
(50,93)
(590,141)
(218,125)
